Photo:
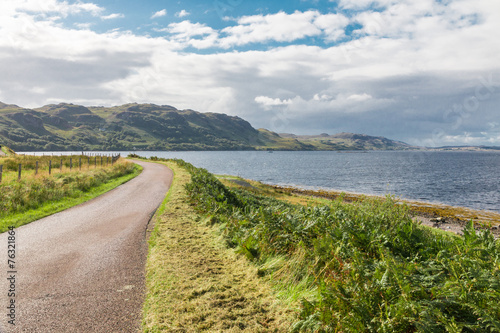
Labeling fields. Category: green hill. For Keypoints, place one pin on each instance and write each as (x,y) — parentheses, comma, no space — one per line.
(64,127)
(349,141)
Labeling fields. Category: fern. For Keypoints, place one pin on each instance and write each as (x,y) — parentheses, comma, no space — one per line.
(374,268)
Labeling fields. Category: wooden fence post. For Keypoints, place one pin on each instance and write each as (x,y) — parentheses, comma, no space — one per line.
(61,164)
(20,167)
(80,163)
(1,171)
(50,167)
(70,164)
(36,168)
(95,162)
(101,160)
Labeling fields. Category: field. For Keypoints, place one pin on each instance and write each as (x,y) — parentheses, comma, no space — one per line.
(40,192)
(363,266)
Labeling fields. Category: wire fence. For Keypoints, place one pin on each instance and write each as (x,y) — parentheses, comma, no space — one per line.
(25,165)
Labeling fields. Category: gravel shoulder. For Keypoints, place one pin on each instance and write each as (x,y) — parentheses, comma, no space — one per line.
(82,270)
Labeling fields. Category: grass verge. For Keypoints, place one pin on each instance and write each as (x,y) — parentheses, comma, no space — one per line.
(374,269)
(195,283)
(363,266)
(52,207)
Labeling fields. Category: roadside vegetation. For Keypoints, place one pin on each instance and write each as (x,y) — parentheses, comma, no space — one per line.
(7,151)
(462,215)
(363,266)
(39,195)
(195,283)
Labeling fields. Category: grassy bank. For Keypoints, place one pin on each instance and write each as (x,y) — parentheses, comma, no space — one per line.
(363,266)
(37,196)
(458,214)
(7,151)
(194,283)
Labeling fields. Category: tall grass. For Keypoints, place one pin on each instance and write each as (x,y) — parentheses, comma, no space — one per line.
(33,192)
(57,163)
(360,267)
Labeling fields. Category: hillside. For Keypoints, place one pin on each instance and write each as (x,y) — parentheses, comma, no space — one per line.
(127,127)
(349,141)
(60,127)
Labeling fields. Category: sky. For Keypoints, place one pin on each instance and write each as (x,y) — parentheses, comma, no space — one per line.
(424,72)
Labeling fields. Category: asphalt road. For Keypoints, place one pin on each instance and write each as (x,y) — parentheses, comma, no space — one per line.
(82,270)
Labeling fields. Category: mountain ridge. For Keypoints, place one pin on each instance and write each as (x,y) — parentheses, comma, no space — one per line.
(132,126)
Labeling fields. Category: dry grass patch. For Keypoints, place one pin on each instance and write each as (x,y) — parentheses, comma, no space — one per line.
(196,284)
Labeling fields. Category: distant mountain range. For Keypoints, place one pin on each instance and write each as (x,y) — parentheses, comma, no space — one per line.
(69,127)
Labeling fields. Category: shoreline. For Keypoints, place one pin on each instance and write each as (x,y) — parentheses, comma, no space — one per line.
(441,216)
(444,217)
(463,213)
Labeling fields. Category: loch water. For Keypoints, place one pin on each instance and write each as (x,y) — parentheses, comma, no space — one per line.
(458,178)
(468,179)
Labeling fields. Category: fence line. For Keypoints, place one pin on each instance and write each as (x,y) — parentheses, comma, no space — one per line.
(114,158)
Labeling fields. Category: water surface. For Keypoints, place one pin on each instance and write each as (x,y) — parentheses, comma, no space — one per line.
(469,179)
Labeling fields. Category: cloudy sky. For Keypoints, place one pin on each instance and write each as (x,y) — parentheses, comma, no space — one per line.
(425,72)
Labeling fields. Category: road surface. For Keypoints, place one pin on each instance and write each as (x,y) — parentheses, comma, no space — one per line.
(82,270)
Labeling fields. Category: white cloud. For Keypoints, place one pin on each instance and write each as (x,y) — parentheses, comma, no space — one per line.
(192,34)
(186,29)
(182,13)
(280,27)
(359,98)
(465,138)
(112,16)
(407,65)
(332,25)
(268,101)
(85,26)
(363,4)
(46,7)
(159,13)
(341,103)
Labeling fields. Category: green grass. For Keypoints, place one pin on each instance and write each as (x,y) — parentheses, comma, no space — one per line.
(320,198)
(363,266)
(8,151)
(194,283)
(451,213)
(36,197)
